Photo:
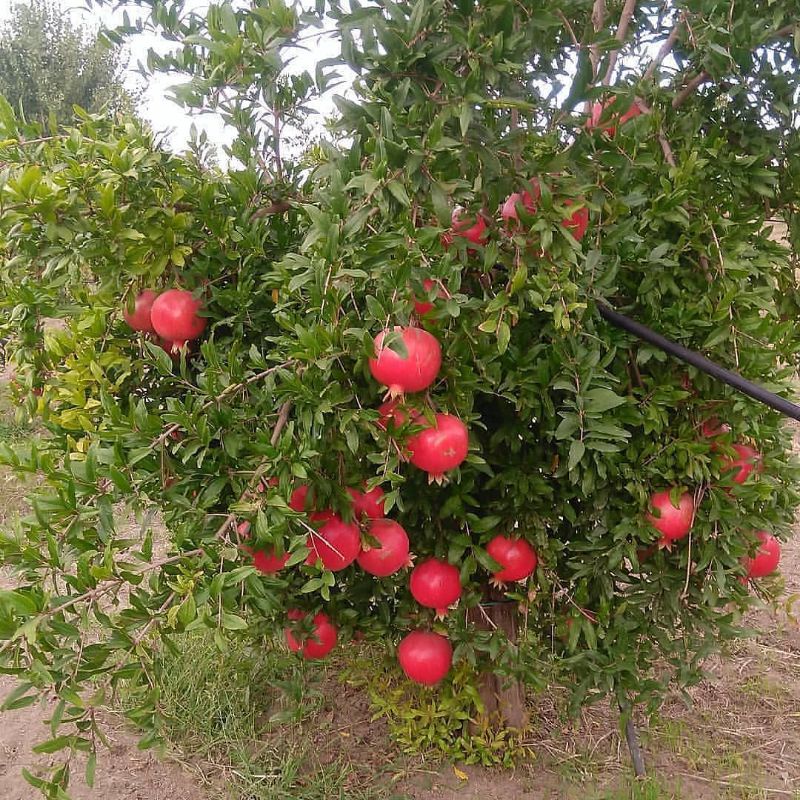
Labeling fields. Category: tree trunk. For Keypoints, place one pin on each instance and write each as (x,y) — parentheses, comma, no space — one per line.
(503,698)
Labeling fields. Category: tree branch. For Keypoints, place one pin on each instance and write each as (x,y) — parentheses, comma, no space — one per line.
(628,11)
(598,21)
(690,88)
(665,50)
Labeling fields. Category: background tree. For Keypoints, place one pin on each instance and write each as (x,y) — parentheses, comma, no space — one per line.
(47,65)
(465,182)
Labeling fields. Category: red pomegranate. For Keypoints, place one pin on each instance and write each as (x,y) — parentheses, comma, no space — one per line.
(516,557)
(263,560)
(766,559)
(474,231)
(412,373)
(435,584)
(172,349)
(268,562)
(611,128)
(423,307)
(336,544)
(672,522)
(391,553)
(440,448)
(175,318)
(139,318)
(368,504)
(299,498)
(578,223)
(526,200)
(392,414)
(425,657)
(747,460)
(712,427)
(269,483)
(319,643)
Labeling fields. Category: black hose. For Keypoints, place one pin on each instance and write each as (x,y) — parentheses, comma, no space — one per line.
(786,407)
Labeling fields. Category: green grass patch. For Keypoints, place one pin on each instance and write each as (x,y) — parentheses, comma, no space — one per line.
(250,720)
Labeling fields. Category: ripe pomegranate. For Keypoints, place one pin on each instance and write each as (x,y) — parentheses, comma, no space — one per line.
(516,557)
(528,201)
(748,460)
(712,427)
(435,584)
(415,372)
(268,562)
(336,544)
(392,416)
(263,560)
(391,554)
(423,307)
(611,129)
(368,504)
(322,640)
(425,657)
(766,559)
(578,223)
(473,231)
(298,499)
(440,448)
(139,318)
(174,316)
(270,483)
(673,523)
(172,349)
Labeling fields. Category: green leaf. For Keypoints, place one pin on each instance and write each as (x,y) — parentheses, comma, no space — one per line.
(576,452)
(598,400)
(233,623)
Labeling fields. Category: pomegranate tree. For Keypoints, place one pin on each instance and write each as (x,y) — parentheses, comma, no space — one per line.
(527,451)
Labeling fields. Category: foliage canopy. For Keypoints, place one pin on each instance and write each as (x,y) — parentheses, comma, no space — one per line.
(300,262)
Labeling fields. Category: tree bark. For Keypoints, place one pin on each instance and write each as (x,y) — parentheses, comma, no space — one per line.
(503,698)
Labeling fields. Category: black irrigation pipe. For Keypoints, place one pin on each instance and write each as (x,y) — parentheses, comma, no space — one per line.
(786,407)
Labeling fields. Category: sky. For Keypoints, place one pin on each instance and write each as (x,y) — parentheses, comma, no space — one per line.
(167,118)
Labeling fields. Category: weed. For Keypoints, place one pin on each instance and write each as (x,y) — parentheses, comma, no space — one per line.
(242,718)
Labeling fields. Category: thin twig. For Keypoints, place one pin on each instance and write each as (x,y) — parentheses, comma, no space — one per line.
(666,49)
(628,11)
(283,418)
(140,638)
(690,88)
(598,21)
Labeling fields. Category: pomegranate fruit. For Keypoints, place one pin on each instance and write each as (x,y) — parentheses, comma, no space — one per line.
(578,223)
(474,231)
(425,657)
(712,427)
(611,129)
(412,373)
(766,559)
(748,459)
(423,307)
(175,318)
(391,552)
(336,544)
(516,558)
(139,318)
(672,522)
(440,448)
(321,641)
(298,499)
(435,584)
(527,200)
(392,416)
(268,562)
(367,504)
